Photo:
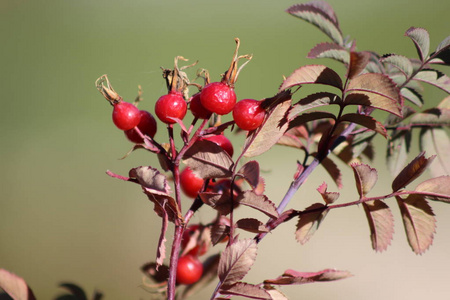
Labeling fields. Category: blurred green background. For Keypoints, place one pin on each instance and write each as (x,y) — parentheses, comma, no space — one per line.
(63,219)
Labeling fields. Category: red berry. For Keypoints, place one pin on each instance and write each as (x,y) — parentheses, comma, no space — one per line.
(147,126)
(218,97)
(190,183)
(223,142)
(200,248)
(248,114)
(170,106)
(197,109)
(189,269)
(125,115)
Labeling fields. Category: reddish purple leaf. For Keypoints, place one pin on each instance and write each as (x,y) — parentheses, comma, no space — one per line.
(158,275)
(365,177)
(293,277)
(15,286)
(413,170)
(218,201)
(436,189)
(236,261)
(309,222)
(366,121)
(358,61)
(419,222)
(421,40)
(328,197)
(312,101)
(251,225)
(161,251)
(258,202)
(312,74)
(330,50)
(333,170)
(381,223)
(321,15)
(219,232)
(273,128)
(274,293)
(250,172)
(375,90)
(310,116)
(208,160)
(246,290)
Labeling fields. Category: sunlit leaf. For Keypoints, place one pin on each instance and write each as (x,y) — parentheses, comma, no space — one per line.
(208,160)
(250,172)
(151,178)
(374,90)
(321,15)
(246,290)
(413,170)
(381,223)
(330,50)
(236,261)
(419,222)
(328,197)
(274,293)
(312,74)
(432,116)
(365,177)
(314,100)
(258,202)
(442,53)
(436,189)
(309,222)
(273,128)
(434,77)
(358,61)
(251,225)
(400,62)
(293,277)
(435,141)
(15,286)
(366,121)
(421,40)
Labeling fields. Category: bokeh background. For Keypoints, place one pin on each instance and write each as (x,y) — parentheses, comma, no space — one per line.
(63,219)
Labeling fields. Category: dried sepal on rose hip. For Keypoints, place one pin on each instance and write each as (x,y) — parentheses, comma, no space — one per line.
(219,97)
(125,115)
(248,114)
(172,105)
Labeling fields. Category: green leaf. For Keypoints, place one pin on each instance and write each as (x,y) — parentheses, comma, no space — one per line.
(400,62)
(413,170)
(435,141)
(366,121)
(421,40)
(321,15)
(312,74)
(330,50)
(381,223)
(309,222)
(412,95)
(374,90)
(432,116)
(435,78)
(419,222)
(365,178)
(442,53)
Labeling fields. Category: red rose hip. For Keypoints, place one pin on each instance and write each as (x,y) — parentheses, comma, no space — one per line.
(248,114)
(190,183)
(223,142)
(189,269)
(125,115)
(218,97)
(147,126)
(197,108)
(170,106)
